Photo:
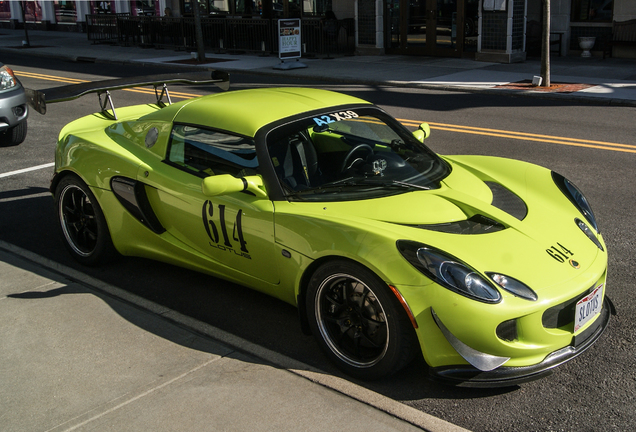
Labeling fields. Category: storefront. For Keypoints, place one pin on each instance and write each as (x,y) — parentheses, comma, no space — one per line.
(490,30)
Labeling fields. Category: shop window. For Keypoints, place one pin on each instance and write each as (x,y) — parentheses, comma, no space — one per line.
(102,7)
(143,7)
(32,11)
(207,7)
(65,11)
(316,7)
(216,7)
(592,10)
(5,10)
(245,7)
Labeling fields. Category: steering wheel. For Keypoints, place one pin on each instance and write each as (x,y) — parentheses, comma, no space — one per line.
(366,147)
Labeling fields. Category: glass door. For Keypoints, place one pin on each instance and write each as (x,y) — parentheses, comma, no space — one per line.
(416,31)
(445,23)
(425,27)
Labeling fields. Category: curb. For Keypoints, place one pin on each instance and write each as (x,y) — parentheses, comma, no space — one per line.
(380,402)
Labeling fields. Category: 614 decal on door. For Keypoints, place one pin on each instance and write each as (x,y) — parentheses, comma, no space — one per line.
(212,230)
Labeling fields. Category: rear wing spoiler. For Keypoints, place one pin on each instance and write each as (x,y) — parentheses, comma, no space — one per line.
(38,99)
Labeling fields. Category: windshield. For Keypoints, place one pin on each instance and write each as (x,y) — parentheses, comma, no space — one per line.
(352,154)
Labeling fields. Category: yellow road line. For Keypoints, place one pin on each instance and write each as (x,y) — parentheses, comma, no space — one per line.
(438,126)
(79,81)
(535,135)
(526,136)
(172,93)
(49,77)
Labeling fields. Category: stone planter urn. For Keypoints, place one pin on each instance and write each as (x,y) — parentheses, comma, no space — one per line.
(586,44)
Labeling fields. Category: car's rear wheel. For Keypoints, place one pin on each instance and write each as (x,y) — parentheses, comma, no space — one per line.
(358,322)
(14,136)
(82,222)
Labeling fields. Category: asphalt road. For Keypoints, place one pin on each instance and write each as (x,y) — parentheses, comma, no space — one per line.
(581,141)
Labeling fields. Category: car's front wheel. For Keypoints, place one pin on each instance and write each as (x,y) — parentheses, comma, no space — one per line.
(14,136)
(359,323)
(82,222)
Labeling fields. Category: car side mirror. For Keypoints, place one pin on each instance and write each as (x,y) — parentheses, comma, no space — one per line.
(423,131)
(226,184)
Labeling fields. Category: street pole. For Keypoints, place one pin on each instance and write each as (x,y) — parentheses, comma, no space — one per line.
(26,32)
(545,45)
(198,31)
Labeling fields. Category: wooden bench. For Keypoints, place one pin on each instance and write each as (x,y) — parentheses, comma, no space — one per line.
(623,34)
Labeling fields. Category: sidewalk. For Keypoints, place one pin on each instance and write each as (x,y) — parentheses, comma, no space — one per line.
(77,354)
(609,81)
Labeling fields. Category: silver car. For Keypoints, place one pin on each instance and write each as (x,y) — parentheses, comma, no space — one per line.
(13,109)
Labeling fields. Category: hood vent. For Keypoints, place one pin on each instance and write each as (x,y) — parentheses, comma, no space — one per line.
(477,224)
(507,201)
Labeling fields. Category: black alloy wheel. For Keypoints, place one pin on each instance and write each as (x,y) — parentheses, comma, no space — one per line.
(358,321)
(82,222)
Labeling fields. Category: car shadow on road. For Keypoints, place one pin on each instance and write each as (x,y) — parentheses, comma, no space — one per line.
(409,384)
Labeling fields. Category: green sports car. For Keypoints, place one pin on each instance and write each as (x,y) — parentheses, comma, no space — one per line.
(493,269)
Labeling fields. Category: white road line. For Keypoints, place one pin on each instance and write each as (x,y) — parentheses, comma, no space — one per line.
(10,173)
(21,197)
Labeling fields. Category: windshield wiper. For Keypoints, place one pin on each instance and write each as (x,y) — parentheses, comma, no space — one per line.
(409,185)
(364,183)
(391,184)
(331,187)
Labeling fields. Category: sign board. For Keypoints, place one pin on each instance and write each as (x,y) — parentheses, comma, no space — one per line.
(289,38)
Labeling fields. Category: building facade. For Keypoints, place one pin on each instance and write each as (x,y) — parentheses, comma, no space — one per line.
(489,30)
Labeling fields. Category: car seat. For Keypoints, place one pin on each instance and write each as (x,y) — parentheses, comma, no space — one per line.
(296,162)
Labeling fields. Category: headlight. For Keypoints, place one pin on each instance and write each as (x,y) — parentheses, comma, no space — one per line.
(588,232)
(513,286)
(576,197)
(449,272)
(7,78)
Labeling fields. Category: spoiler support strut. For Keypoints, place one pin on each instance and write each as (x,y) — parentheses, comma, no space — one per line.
(107,100)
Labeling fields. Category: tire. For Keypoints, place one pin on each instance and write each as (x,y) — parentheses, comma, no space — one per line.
(358,321)
(14,136)
(82,223)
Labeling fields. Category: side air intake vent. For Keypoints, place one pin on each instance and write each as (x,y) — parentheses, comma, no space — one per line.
(506,201)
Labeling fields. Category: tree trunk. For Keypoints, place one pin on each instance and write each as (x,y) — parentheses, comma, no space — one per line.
(198,31)
(545,45)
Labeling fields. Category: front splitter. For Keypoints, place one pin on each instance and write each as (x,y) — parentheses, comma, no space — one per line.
(469,376)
